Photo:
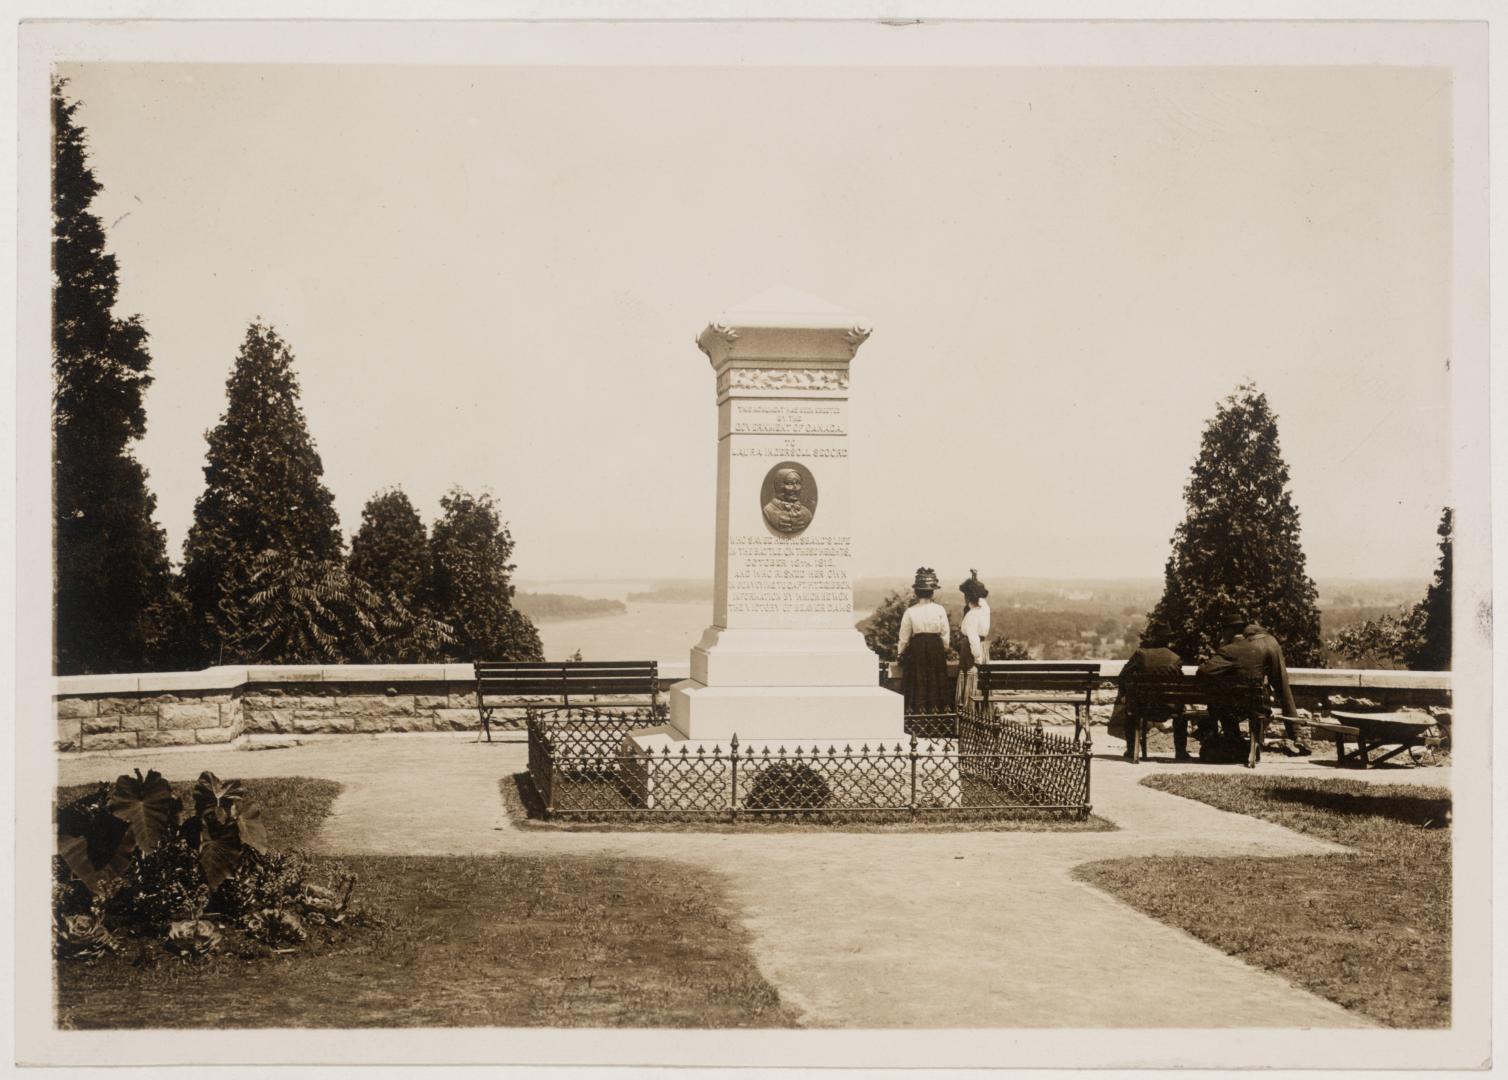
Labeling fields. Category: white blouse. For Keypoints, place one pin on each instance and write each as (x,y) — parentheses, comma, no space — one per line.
(926,617)
(976,628)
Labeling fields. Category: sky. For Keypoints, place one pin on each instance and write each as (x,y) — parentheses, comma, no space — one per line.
(494,277)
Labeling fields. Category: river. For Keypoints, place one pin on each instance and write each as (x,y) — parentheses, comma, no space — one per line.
(643,632)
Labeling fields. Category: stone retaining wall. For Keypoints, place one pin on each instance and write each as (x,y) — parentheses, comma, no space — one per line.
(126,722)
(224,704)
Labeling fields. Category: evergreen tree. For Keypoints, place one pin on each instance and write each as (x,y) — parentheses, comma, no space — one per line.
(473,593)
(112,572)
(262,492)
(304,611)
(1238,545)
(391,550)
(1430,649)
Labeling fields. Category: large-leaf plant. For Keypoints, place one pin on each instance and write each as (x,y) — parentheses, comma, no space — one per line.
(97,838)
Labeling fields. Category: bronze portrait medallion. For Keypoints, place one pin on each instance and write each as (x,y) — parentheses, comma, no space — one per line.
(788,498)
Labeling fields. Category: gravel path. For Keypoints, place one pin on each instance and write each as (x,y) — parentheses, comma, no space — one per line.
(865,930)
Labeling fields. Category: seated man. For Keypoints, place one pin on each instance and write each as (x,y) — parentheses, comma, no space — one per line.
(1250,656)
(1276,671)
(1154,658)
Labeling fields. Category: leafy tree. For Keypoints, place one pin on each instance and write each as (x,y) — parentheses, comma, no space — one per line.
(262,492)
(112,570)
(1431,650)
(883,627)
(1417,637)
(1003,648)
(470,547)
(1382,642)
(1238,545)
(391,550)
(316,611)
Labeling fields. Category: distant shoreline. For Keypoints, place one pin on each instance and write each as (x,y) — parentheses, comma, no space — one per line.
(557,607)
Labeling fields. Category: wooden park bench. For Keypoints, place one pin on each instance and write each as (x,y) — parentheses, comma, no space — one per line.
(1146,694)
(1019,682)
(1373,731)
(551,684)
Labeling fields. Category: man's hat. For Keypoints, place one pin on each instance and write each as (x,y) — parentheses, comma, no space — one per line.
(926,578)
(1157,630)
(1230,615)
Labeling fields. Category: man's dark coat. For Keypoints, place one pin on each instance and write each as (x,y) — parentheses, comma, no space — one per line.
(1256,654)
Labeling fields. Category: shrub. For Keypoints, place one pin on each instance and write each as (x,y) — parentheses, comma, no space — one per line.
(786,785)
(129,869)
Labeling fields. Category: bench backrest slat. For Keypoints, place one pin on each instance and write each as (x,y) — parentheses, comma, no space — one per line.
(558,679)
(1193,690)
(1038,678)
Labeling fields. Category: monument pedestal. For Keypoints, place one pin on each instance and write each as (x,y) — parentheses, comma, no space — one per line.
(781,664)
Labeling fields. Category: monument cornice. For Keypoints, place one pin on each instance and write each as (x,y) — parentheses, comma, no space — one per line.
(780,346)
(779,326)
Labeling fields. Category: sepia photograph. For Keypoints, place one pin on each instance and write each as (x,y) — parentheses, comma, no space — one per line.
(854,543)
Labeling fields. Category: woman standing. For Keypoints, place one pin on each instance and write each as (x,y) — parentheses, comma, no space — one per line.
(923,649)
(976,633)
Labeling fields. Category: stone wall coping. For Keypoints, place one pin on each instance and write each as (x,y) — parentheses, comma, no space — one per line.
(375,673)
(215,678)
(96,684)
(230,677)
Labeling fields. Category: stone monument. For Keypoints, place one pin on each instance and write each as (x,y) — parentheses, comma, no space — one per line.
(782,661)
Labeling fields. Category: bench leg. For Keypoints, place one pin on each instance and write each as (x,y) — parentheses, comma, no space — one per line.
(1256,725)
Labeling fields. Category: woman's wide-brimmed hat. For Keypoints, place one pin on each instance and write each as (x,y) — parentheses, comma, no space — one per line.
(973,588)
(926,578)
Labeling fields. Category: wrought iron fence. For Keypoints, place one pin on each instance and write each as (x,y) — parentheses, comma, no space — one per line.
(986,768)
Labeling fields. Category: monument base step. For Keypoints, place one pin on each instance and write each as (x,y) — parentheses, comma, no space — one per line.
(783,657)
(803,713)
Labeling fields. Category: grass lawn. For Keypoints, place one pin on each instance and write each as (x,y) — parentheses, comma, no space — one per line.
(481,941)
(524,810)
(1370,930)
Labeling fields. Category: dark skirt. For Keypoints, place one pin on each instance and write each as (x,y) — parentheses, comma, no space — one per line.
(924,675)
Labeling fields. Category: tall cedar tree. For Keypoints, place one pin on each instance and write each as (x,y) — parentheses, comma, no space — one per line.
(112,572)
(1238,546)
(390,551)
(262,492)
(1431,649)
(472,592)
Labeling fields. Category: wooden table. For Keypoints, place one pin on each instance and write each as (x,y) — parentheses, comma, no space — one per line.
(1372,731)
